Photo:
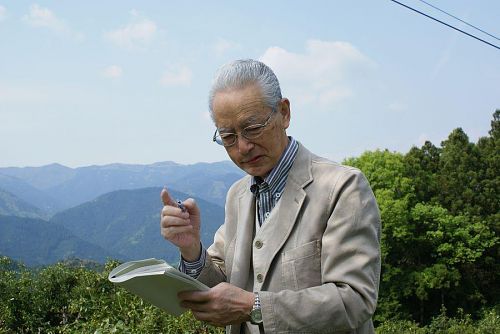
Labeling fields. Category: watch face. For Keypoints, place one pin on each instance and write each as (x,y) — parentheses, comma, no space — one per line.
(256,316)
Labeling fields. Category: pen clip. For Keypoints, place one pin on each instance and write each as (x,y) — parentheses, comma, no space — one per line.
(181,206)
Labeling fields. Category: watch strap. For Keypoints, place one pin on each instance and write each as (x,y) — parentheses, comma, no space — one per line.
(256,313)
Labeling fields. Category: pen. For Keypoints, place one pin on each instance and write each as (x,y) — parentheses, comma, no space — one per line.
(181,206)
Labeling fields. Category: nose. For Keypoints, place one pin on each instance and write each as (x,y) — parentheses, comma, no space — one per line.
(244,145)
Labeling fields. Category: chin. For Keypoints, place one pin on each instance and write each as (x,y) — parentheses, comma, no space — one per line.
(257,171)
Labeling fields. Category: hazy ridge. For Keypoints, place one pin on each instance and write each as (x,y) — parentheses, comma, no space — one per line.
(54,212)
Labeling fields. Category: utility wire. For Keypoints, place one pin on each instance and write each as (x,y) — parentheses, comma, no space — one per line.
(459,19)
(446,24)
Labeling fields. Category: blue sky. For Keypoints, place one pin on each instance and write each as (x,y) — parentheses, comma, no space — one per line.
(97,82)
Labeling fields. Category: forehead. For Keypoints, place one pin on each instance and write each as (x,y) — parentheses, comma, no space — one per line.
(239,107)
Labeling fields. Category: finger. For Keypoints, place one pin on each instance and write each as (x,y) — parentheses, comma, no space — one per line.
(194,296)
(178,239)
(176,230)
(166,199)
(174,211)
(191,206)
(170,221)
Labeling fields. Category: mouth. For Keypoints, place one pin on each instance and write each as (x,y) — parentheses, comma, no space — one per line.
(253,160)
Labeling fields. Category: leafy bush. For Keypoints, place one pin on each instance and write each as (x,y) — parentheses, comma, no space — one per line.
(65,298)
(442,324)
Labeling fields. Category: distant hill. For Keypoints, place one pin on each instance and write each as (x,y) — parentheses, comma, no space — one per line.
(43,177)
(63,187)
(38,242)
(127,222)
(11,205)
(101,211)
(29,193)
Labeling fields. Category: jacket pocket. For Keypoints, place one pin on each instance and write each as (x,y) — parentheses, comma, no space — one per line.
(301,266)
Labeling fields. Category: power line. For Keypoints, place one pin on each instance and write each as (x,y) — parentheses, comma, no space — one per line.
(446,24)
(459,19)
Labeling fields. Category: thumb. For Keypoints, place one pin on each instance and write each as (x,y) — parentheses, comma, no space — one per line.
(165,197)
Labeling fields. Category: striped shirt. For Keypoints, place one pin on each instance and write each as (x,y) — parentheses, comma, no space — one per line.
(193,269)
(267,193)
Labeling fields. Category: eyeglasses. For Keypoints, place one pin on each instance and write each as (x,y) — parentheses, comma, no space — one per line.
(251,132)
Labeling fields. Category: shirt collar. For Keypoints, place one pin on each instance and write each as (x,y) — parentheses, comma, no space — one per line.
(274,181)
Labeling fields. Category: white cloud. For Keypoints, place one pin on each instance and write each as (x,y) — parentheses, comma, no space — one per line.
(180,76)
(323,75)
(223,45)
(41,17)
(113,71)
(138,33)
(3,13)
(44,17)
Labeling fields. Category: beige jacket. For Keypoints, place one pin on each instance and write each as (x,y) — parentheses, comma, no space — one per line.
(315,261)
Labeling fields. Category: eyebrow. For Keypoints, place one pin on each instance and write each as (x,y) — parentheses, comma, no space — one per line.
(252,120)
(225,130)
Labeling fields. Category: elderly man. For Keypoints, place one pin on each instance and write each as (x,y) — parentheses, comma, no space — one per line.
(299,249)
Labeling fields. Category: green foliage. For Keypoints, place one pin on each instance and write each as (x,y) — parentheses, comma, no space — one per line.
(443,324)
(66,299)
(440,244)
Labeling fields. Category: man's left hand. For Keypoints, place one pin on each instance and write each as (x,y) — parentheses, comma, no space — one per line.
(222,305)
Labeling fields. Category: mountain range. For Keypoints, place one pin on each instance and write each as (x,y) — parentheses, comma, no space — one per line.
(127,222)
(52,213)
(55,187)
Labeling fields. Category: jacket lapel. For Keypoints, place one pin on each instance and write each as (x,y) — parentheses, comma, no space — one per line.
(244,237)
(276,231)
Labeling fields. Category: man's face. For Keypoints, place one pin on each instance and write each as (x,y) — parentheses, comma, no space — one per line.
(237,109)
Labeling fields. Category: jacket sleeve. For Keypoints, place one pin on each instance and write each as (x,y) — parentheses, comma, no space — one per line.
(350,268)
(214,270)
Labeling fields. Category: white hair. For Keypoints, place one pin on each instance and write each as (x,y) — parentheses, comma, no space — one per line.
(241,73)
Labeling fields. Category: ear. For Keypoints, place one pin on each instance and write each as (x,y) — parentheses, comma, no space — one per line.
(284,110)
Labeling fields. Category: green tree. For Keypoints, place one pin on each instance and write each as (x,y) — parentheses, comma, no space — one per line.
(394,193)
(430,254)
(422,167)
(459,176)
(488,196)
(489,148)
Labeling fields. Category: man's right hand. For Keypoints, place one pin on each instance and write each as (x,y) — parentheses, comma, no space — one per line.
(181,228)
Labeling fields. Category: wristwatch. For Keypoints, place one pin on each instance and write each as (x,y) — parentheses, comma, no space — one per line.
(256,313)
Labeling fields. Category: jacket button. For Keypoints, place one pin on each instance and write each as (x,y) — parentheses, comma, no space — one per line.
(258,244)
(260,278)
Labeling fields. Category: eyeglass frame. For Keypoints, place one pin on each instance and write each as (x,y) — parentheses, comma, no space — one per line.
(258,125)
